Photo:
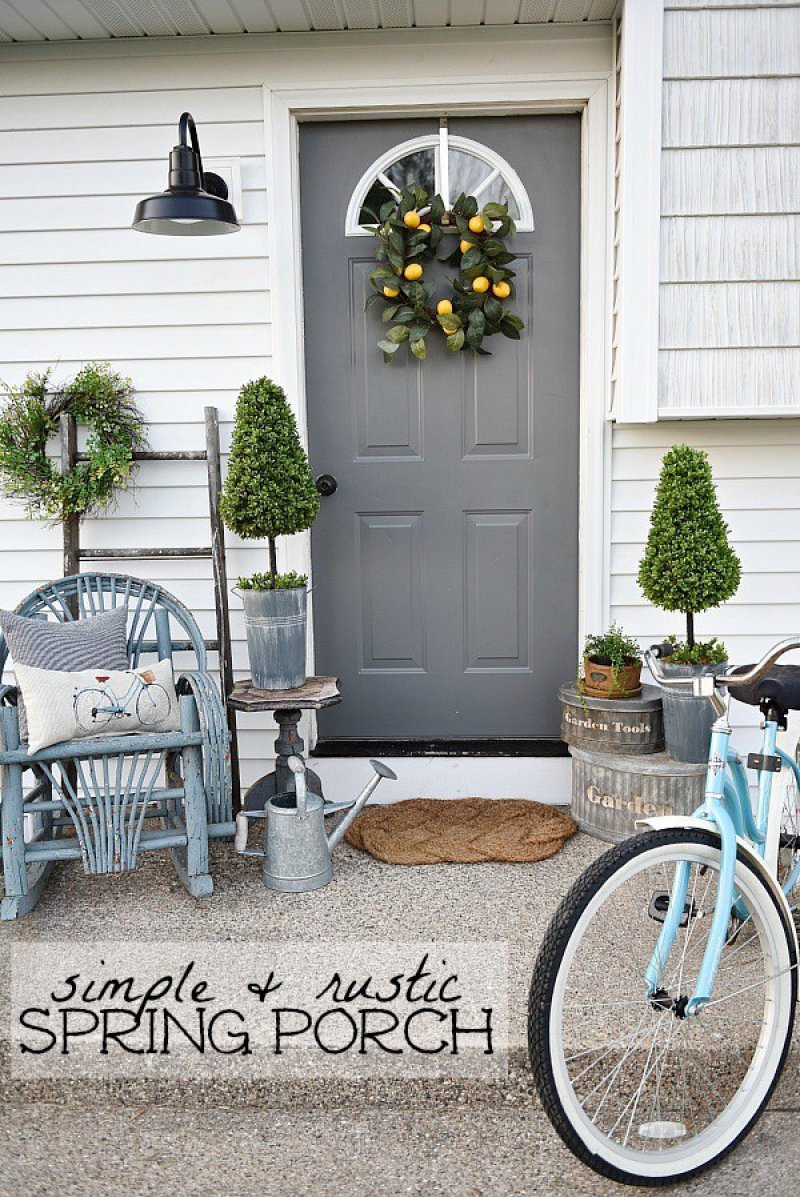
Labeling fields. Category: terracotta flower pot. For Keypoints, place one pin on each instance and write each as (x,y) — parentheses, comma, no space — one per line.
(601,680)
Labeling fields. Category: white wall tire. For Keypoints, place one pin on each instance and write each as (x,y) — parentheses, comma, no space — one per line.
(770,944)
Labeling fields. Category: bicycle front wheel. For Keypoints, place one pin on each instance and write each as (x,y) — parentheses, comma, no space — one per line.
(638,1090)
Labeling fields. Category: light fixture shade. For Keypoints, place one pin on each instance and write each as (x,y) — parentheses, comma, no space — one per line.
(195,203)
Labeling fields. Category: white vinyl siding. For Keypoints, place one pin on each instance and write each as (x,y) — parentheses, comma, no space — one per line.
(187,320)
(729,329)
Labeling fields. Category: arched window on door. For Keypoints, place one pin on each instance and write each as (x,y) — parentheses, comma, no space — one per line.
(442,164)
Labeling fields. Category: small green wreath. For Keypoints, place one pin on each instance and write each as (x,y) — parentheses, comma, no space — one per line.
(98,398)
(409,231)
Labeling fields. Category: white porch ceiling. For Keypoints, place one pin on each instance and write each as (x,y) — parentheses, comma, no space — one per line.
(67,20)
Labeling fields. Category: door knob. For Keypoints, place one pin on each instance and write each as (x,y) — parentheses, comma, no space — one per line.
(327,485)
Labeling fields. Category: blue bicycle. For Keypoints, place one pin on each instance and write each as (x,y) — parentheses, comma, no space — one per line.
(662,1001)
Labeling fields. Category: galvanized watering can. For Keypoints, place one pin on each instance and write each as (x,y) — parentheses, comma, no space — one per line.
(297,853)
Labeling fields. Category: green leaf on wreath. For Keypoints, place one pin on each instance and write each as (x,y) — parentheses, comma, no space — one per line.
(514,321)
(388,346)
(418,349)
(455,341)
(493,309)
(398,334)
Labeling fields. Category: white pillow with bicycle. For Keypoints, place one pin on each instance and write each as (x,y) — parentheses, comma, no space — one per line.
(97,702)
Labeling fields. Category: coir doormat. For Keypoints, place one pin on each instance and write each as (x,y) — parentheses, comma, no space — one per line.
(461,831)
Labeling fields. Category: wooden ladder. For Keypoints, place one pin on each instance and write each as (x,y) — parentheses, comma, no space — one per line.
(215,551)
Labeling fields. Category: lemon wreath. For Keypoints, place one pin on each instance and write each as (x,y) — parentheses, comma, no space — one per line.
(409,230)
(97,397)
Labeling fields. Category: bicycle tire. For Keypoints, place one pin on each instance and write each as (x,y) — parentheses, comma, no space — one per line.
(546,973)
(87,707)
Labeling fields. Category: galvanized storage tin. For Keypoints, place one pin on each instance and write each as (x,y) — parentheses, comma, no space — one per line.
(610,791)
(612,724)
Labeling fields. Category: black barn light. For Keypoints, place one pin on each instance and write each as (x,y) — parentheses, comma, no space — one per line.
(195,203)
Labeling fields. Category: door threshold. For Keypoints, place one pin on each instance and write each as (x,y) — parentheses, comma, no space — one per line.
(545,779)
(535,747)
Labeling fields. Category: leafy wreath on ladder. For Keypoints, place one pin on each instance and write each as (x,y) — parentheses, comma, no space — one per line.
(97,397)
(409,230)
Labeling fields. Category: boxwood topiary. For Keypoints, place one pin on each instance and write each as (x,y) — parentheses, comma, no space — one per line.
(688,564)
(269,490)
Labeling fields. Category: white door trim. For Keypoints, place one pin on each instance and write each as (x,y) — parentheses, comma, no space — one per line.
(641,60)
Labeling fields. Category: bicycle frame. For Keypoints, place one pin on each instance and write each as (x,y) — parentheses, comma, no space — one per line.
(118,704)
(727,805)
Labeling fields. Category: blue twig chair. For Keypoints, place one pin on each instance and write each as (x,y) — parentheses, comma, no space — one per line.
(107,788)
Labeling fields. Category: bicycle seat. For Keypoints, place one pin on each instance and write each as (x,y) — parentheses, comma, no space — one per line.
(780,685)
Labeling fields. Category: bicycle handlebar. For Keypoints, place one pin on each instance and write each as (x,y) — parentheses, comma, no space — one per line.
(656,651)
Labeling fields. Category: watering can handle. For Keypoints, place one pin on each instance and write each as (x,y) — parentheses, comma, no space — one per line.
(297,766)
(242,827)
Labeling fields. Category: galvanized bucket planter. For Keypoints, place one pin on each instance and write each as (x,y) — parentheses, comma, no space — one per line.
(687,720)
(610,792)
(612,725)
(275,623)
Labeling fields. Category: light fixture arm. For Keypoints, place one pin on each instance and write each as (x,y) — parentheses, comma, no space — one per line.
(188,130)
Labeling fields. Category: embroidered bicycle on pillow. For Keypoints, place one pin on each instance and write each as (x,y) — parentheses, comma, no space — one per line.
(144,700)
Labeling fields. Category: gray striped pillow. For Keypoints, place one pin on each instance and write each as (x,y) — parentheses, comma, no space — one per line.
(99,642)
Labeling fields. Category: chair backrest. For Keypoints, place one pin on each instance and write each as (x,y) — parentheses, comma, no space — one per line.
(153,612)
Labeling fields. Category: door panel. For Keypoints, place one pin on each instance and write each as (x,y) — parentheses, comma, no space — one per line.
(387,404)
(498,606)
(389,565)
(446,563)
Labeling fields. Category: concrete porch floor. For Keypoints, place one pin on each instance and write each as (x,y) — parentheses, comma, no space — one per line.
(354,1139)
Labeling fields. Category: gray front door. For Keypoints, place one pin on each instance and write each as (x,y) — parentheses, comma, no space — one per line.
(445,566)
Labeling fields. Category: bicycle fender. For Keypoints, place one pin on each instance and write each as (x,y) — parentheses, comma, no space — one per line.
(668,822)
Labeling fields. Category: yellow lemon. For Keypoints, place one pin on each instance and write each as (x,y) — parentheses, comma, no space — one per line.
(481,283)
(391,292)
(424,228)
(501,290)
(476,225)
(411,220)
(465,246)
(414,271)
(444,307)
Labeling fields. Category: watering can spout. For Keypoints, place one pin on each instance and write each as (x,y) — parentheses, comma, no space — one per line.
(381,771)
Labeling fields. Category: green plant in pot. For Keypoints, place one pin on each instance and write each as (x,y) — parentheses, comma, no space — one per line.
(612,665)
(270,492)
(688,566)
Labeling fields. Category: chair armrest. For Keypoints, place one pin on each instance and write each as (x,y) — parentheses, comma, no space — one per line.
(9,717)
(216,742)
